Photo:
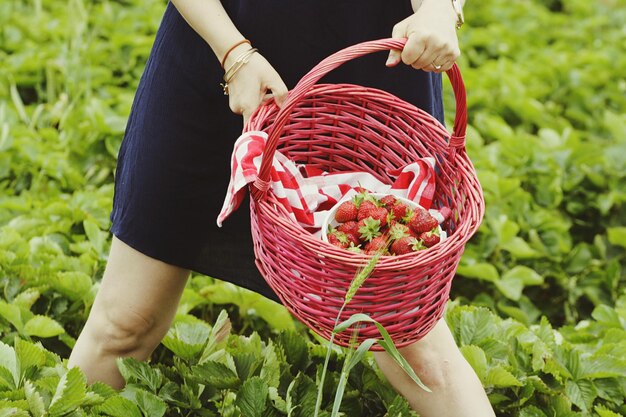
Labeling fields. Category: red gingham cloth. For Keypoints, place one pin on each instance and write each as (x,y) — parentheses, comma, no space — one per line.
(308,193)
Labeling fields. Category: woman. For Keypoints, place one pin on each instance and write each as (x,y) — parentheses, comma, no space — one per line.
(173,166)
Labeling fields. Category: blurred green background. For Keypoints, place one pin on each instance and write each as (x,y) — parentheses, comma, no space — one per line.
(538,306)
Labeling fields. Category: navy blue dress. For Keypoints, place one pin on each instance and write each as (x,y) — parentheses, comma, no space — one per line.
(173,165)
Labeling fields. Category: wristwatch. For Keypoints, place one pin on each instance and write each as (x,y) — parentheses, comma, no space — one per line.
(458,9)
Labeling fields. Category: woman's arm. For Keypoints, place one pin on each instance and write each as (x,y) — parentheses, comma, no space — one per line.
(432,43)
(252,83)
(209,19)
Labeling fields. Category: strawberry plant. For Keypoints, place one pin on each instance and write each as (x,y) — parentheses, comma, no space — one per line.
(539,303)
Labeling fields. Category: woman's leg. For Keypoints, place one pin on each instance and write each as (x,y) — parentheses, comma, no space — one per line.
(436,359)
(132,312)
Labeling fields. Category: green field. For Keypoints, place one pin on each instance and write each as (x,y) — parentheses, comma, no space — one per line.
(539,302)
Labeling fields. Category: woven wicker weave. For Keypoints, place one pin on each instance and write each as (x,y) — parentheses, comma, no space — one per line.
(341,127)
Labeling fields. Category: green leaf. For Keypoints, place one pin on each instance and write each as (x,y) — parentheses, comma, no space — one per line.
(70,393)
(295,348)
(43,326)
(103,390)
(252,397)
(96,236)
(6,378)
(475,325)
(301,396)
(35,402)
(501,378)
(519,248)
(187,340)
(118,406)
(617,236)
(480,270)
(73,284)
(511,288)
(28,355)
(610,389)
(150,404)
(277,401)
(270,371)
(607,316)
(476,357)
(9,371)
(247,364)
(359,354)
(602,366)
(139,372)
(526,275)
(531,411)
(12,314)
(13,412)
(605,412)
(216,374)
(582,393)
(218,335)
(26,298)
(399,407)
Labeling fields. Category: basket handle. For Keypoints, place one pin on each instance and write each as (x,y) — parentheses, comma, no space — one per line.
(457,140)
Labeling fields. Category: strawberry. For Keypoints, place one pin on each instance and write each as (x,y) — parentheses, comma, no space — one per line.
(430,239)
(380,214)
(369,229)
(422,221)
(363,195)
(353,238)
(365,209)
(399,210)
(413,233)
(398,231)
(338,239)
(403,245)
(349,227)
(346,211)
(388,201)
(377,244)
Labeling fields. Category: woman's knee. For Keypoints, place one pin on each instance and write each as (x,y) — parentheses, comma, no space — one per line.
(121,331)
(135,304)
(433,367)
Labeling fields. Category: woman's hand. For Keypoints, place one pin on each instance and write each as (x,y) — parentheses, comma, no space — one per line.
(255,83)
(432,43)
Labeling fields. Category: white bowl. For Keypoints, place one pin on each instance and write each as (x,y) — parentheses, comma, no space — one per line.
(330,217)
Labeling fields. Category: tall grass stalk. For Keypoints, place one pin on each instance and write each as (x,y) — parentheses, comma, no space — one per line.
(354,356)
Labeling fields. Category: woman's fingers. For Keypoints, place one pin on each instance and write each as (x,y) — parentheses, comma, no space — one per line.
(398,32)
(432,43)
(255,83)
(438,54)
(278,91)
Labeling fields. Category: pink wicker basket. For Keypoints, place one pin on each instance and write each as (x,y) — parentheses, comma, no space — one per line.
(343,127)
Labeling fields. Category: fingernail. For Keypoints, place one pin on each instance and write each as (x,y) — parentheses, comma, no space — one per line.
(392,61)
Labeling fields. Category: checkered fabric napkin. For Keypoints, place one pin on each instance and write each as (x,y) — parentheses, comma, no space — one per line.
(308,193)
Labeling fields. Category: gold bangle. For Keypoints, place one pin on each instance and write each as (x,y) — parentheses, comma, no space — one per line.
(232,48)
(237,65)
(458,9)
(239,62)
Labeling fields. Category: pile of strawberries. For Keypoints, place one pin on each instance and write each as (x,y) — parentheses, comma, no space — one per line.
(386,225)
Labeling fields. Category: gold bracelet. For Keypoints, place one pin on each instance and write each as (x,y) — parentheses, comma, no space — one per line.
(232,48)
(237,65)
(239,62)
(458,9)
